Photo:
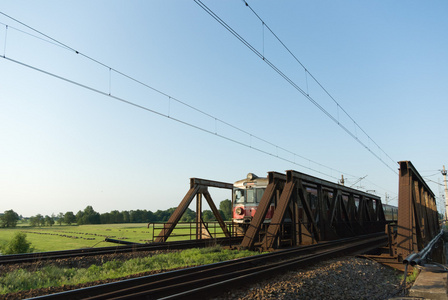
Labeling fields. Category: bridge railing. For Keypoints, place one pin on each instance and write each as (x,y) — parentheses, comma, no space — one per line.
(189,230)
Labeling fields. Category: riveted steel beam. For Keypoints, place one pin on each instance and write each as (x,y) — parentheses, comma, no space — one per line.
(417,212)
(321,216)
(177,214)
(198,187)
(275,185)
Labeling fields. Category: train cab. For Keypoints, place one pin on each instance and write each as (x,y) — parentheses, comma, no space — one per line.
(247,194)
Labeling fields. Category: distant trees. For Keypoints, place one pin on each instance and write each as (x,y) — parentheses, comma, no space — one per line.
(37,220)
(49,221)
(226,207)
(69,218)
(9,219)
(60,218)
(189,216)
(141,216)
(163,215)
(90,216)
(207,216)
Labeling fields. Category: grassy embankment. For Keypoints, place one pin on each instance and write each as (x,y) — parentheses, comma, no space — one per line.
(85,236)
(52,276)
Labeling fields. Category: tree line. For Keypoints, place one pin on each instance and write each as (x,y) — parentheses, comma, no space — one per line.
(89,216)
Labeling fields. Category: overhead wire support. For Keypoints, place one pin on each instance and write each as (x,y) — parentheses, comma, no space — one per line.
(108,93)
(292,83)
(320,85)
(6,36)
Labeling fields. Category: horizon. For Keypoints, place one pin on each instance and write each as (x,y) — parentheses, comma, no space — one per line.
(157,93)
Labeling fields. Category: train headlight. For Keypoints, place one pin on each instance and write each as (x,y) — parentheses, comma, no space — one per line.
(239,210)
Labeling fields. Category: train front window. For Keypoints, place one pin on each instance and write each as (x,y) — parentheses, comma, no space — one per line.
(239,196)
(259,193)
(250,196)
(246,195)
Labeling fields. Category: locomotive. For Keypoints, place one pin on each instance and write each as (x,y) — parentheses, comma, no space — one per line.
(247,194)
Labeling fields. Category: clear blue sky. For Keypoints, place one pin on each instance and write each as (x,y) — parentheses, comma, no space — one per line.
(64,147)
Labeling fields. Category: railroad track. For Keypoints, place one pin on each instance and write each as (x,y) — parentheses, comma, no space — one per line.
(205,281)
(33,257)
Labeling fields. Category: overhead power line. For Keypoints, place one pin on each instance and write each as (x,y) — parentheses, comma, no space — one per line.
(314,78)
(183,122)
(55,42)
(438,183)
(294,85)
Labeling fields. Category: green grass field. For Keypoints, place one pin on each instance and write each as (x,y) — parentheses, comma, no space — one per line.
(87,236)
(55,276)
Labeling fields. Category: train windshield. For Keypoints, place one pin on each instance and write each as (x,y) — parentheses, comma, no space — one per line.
(252,195)
(239,195)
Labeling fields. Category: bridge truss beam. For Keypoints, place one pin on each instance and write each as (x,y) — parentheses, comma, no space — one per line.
(417,214)
(198,188)
(309,209)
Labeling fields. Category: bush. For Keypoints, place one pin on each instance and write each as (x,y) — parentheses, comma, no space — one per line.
(18,244)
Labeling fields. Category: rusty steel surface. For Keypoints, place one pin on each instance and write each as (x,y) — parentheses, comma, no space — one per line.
(177,214)
(198,188)
(215,211)
(309,210)
(275,186)
(210,280)
(417,214)
(210,183)
(279,212)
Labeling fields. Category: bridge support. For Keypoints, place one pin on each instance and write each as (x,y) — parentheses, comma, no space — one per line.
(417,214)
(198,188)
(417,222)
(276,182)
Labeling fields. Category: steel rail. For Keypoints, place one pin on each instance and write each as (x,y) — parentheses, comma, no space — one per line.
(205,279)
(33,257)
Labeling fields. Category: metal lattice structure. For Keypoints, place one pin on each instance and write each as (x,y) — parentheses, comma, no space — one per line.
(309,209)
(417,215)
(198,188)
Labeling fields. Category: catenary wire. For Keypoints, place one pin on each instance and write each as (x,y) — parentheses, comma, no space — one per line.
(34,36)
(438,183)
(57,43)
(54,41)
(291,82)
(162,115)
(314,78)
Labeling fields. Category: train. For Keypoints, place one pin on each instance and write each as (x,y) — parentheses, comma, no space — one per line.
(248,192)
(390,212)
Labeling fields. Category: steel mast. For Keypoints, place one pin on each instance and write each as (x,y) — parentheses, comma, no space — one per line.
(446,193)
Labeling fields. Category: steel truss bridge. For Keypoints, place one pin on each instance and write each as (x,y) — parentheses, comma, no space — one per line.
(314,218)
(309,210)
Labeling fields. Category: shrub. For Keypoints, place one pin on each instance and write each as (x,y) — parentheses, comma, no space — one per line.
(18,244)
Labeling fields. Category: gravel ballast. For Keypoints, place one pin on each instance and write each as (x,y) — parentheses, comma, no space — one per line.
(341,278)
